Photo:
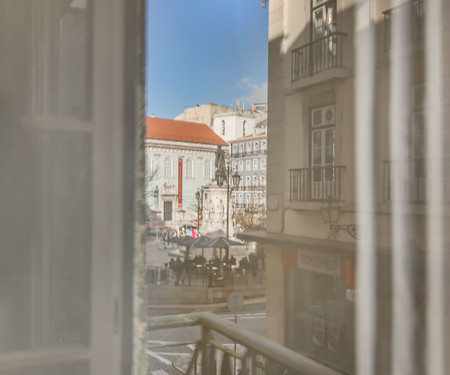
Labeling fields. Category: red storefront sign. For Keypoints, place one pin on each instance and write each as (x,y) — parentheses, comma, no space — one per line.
(180,182)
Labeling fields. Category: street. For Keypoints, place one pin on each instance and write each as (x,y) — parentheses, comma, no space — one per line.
(174,347)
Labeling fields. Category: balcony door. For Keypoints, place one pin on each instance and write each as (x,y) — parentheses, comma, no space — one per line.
(323,16)
(322,152)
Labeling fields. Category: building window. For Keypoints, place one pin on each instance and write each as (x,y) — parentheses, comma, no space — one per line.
(263,163)
(248,165)
(223,127)
(322,143)
(233,166)
(150,165)
(263,145)
(323,16)
(249,147)
(247,181)
(168,168)
(241,166)
(234,148)
(262,180)
(243,128)
(255,164)
(208,166)
(241,149)
(255,180)
(189,169)
(255,146)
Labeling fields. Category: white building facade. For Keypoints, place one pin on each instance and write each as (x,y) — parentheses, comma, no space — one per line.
(180,159)
(248,159)
(233,125)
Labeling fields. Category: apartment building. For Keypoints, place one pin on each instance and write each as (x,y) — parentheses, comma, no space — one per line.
(248,158)
(353,227)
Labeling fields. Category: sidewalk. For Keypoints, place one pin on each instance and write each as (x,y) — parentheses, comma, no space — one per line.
(254,302)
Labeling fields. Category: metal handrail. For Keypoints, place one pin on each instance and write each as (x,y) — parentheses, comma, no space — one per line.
(413,176)
(254,343)
(239,154)
(316,183)
(317,56)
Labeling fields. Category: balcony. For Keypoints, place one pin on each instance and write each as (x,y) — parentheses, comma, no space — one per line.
(252,354)
(318,56)
(412,178)
(315,184)
(240,154)
(411,12)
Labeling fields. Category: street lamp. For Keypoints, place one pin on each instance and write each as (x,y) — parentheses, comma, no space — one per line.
(235,180)
(199,195)
(330,211)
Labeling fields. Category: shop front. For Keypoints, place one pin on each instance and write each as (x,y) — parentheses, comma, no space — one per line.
(320,313)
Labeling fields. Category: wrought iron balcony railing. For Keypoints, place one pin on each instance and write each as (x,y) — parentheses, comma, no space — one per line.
(240,154)
(322,54)
(412,12)
(316,184)
(250,188)
(412,181)
(254,354)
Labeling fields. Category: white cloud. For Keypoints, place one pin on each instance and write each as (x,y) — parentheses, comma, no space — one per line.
(256,92)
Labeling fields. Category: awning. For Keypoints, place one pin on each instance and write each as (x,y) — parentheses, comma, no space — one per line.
(291,240)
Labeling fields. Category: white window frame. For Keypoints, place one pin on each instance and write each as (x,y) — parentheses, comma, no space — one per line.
(255,164)
(263,145)
(168,172)
(262,164)
(190,168)
(207,170)
(248,165)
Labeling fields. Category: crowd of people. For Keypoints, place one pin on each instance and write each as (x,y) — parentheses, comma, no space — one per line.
(214,267)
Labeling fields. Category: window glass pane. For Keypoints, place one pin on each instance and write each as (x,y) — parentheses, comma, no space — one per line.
(317,139)
(329,137)
(318,23)
(45,284)
(56,62)
(317,157)
(317,117)
(329,155)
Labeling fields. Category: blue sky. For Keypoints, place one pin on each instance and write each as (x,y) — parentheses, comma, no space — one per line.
(205,51)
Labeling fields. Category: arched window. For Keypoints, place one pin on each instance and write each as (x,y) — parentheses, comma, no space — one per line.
(207,173)
(189,168)
(223,127)
(167,168)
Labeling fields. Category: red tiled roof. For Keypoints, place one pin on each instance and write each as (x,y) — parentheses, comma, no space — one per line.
(174,130)
(249,136)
